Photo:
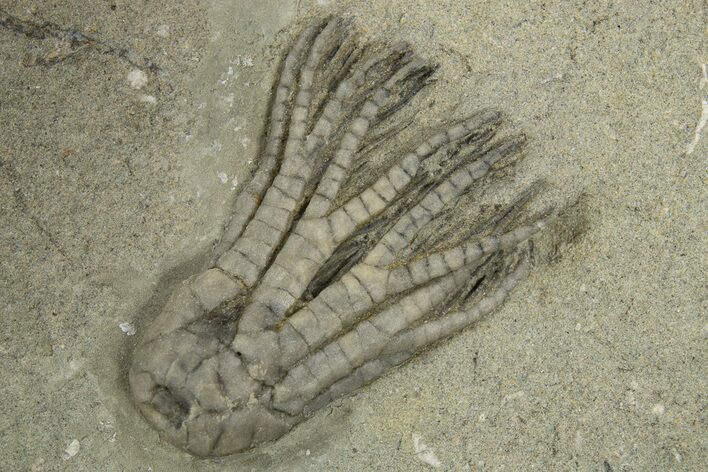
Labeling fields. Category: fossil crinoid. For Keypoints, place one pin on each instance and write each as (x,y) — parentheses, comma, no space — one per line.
(330,273)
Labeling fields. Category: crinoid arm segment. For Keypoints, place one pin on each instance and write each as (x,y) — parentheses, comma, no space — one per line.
(329,274)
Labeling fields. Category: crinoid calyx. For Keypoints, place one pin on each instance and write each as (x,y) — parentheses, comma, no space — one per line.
(333,270)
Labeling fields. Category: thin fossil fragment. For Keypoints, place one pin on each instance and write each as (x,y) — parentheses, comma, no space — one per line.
(332,270)
(70,42)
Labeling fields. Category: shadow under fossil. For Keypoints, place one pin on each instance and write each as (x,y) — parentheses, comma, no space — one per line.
(348,251)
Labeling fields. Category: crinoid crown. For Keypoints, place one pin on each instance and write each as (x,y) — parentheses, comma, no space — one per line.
(348,252)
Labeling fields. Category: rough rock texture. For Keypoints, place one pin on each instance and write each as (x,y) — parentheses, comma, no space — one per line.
(110,195)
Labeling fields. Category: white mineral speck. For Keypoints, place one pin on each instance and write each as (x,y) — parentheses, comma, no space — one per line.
(137,79)
(163,31)
(658,409)
(223,177)
(72,368)
(677,456)
(150,99)
(72,449)
(424,452)
(698,133)
(127,328)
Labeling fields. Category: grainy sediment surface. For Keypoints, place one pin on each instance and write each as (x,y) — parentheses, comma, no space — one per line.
(109,193)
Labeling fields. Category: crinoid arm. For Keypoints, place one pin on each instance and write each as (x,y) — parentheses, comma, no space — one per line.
(357,244)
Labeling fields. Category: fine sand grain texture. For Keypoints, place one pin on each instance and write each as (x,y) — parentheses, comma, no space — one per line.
(127,129)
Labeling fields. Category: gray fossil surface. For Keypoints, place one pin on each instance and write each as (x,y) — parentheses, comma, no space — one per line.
(345,255)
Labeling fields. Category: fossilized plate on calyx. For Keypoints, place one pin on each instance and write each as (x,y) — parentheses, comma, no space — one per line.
(349,251)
